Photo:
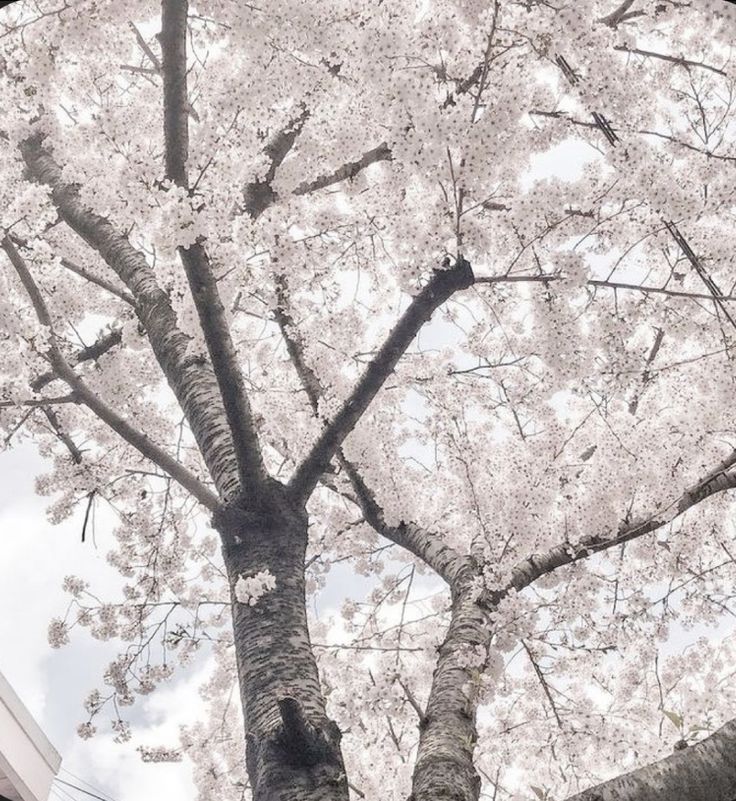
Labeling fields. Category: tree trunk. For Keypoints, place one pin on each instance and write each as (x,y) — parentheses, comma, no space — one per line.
(444,769)
(292,747)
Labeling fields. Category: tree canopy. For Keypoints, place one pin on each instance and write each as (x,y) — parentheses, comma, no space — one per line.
(440,295)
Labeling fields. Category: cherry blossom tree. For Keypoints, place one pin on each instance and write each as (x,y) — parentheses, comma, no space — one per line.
(288,289)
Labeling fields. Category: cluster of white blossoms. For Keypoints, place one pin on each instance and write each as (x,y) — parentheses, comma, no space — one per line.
(159,754)
(86,731)
(58,634)
(74,585)
(249,590)
(122,730)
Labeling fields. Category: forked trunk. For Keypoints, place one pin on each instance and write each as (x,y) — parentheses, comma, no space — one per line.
(292,747)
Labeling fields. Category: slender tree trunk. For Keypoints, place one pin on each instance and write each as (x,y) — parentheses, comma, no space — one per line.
(292,747)
(444,769)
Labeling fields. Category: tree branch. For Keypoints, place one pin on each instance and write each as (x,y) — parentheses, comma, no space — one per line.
(654,290)
(619,14)
(705,771)
(721,478)
(64,438)
(445,758)
(444,767)
(190,377)
(348,170)
(546,278)
(36,402)
(443,284)
(449,564)
(259,195)
(427,546)
(102,345)
(82,272)
(73,267)
(196,262)
(173,39)
(647,375)
(61,367)
(152,57)
(643,132)
(679,60)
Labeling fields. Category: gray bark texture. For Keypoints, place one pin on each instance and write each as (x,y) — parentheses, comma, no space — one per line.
(292,747)
(444,769)
(191,378)
(702,772)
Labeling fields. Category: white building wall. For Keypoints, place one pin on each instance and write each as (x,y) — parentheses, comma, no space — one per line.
(28,761)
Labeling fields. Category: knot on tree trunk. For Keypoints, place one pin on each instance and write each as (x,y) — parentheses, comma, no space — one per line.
(298,754)
(257,197)
(304,744)
(451,279)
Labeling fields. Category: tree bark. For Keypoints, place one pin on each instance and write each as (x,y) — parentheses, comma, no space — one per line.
(292,747)
(703,772)
(444,770)
(196,262)
(443,284)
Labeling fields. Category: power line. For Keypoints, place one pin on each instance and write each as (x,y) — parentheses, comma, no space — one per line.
(87,784)
(80,789)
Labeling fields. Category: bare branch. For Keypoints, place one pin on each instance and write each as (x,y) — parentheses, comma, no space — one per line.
(132,436)
(443,284)
(196,262)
